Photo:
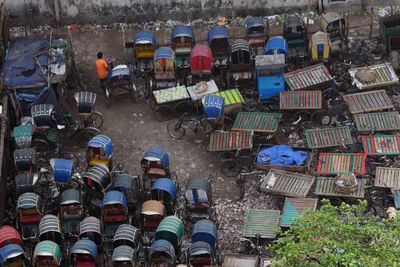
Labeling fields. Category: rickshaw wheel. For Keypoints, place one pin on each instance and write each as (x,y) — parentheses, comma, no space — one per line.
(71,156)
(40,145)
(96,120)
(228,123)
(206,126)
(153,103)
(132,92)
(319,116)
(108,97)
(83,136)
(230,167)
(163,113)
(176,130)
(183,107)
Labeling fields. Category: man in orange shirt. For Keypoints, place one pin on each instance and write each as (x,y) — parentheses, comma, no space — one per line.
(102,70)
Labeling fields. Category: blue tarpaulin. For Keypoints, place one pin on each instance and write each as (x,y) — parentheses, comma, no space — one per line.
(21,69)
(281,156)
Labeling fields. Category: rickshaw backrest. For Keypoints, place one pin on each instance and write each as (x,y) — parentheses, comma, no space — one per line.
(162,246)
(145,44)
(8,235)
(198,190)
(23,136)
(47,252)
(24,159)
(42,115)
(85,101)
(214,106)
(201,59)
(164,60)
(165,185)
(62,170)
(206,231)
(85,247)
(97,177)
(10,252)
(278,45)
(157,155)
(126,235)
(124,253)
(24,182)
(182,31)
(101,142)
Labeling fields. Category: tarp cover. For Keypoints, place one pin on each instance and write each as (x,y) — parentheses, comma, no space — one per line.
(21,68)
(281,156)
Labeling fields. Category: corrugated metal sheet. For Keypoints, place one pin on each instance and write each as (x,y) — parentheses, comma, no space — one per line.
(225,141)
(308,77)
(294,207)
(257,121)
(368,101)
(261,222)
(338,163)
(293,100)
(329,137)
(326,187)
(286,183)
(381,121)
(381,144)
(387,177)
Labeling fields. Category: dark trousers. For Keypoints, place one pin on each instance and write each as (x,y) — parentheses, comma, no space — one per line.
(103,84)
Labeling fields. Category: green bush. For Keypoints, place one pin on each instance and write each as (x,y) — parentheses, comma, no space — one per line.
(339,236)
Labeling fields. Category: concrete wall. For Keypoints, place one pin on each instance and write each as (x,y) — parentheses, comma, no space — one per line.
(34,12)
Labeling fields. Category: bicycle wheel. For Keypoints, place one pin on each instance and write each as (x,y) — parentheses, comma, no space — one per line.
(183,107)
(205,126)
(230,167)
(228,123)
(40,145)
(96,120)
(83,136)
(108,96)
(71,156)
(176,129)
(163,113)
(132,91)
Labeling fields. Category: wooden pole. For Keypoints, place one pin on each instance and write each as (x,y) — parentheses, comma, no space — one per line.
(372,22)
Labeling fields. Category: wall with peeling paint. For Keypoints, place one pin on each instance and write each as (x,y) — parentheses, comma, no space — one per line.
(34,12)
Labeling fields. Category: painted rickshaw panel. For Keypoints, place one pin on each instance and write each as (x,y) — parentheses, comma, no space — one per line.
(9,235)
(62,170)
(206,231)
(85,247)
(126,235)
(124,254)
(47,249)
(10,252)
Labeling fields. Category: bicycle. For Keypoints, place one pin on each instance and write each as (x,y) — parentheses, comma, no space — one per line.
(198,124)
(234,163)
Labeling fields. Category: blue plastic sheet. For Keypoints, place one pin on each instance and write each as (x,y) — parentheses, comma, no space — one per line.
(281,156)
(21,69)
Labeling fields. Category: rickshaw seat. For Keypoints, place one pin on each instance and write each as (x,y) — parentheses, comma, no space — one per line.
(115,218)
(85,263)
(151,224)
(95,162)
(31,219)
(156,171)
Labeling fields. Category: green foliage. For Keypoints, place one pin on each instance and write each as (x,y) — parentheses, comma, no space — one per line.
(339,236)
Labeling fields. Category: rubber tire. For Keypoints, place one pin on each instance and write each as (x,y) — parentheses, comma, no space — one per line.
(97,116)
(176,130)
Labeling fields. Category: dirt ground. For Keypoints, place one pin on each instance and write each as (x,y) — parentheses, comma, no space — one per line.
(133,129)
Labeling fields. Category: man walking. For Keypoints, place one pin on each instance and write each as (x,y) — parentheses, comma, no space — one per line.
(102,70)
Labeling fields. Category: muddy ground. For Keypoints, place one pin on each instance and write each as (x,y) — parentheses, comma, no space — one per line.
(133,129)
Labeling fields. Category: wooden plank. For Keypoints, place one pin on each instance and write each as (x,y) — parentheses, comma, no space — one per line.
(374,122)
(287,183)
(329,137)
(368,101)
(294,207)
(326,187)
(257,121)
(261,222)
(387,177)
